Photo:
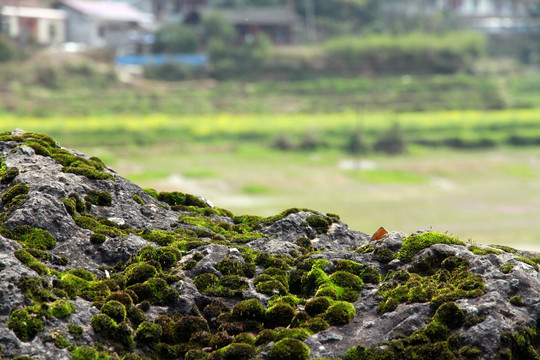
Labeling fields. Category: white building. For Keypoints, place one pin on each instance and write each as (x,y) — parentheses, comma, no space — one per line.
(104,24)
(43,26)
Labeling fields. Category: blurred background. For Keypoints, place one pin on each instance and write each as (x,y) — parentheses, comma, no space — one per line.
(407,114)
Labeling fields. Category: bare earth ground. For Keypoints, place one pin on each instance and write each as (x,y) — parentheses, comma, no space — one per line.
(490,197)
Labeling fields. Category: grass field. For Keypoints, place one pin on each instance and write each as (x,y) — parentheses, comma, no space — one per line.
(489,195)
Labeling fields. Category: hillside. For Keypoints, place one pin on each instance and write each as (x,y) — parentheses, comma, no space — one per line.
(94,267)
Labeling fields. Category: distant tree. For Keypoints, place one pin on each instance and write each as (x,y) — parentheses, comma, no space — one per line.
(217,27)
(176,39)
(355,145)
(7,51)
(391,141)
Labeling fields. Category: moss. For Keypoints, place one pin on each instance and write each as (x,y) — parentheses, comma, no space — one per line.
(506,249)
(33,237)
(384,255)
(86,352)
(137,199)
(115,310)
(186,326)
(238,351)
(313,279)
(139,273)
(340,313)
(178,198)
(70,206)
(318,305)
(317,324)
(520,344)
(62,309)
(527,261)
(271,287)
(483,251)
(58,338)
(148,333)
(230,267)
(205,281)
(319,223)
(103,324)
(153,193)
(289,349)
(88,172)
(450,315)
(327,290)
(24,256)
(100,198)
(507,268)
(413,244)
(517,301)
(346,280)
(251,309)
(167,257)
(80,205)
(14,191)
(280,314)
(9,175)
(76,331)
(195,354)
(24,325)
(35,288)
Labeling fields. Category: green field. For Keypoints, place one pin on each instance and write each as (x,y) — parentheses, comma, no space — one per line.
(486,194)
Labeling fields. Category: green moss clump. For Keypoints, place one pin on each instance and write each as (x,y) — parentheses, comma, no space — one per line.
(251,309)
(507,268)
(318,305)
(483,251)
(153,193)
(25,325)
(10,194)
(70,206)
(527,261)
(289,349)
(313,280)
(413,244)
(178,198)
(137,199)
(100,198)
(9,175)
(319,223)
(238,351)
(340,313)
(506,249)
(384,255)
(317,324)
(271,287)
(230,267)
(450,315)
(62,309)
(97,239)
(346,280)
(280,314)
(139,273)
(205,281)
(75,330)
(80,205)
(104,325)
(33,237)
(115,310)
(517,301)
(148,333)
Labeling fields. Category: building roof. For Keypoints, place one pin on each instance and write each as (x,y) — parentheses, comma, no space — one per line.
(259,15)
(108,10)
(32,12)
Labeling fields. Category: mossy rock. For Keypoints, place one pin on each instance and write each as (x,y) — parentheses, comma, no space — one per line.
(346,280)
(317,324)
(25,326)
(62,309)
(206,281)
(450,315)
(340,313)
(251,309)
(115,310)
(100,198)
(318,305)
(238,351)
(139,273)
(289,349)
(280,314)
(9,175)
(148,333)
(413,244)
(10,194)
